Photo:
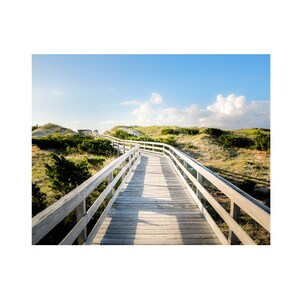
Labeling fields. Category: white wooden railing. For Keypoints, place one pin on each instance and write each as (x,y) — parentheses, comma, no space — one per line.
(238,198)
(46,220)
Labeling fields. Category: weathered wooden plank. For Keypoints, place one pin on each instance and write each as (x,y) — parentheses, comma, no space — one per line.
(151,206)
(154,230)
(146,201)
(199,241)
(154,213)
(138,236)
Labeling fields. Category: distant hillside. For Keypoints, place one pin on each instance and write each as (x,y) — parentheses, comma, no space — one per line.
(51,129)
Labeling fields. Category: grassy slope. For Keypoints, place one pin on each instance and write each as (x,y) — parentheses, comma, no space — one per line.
(234,164)
(49,129)
(40,157)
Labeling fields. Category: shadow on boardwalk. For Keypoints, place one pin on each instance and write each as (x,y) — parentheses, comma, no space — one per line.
(155,208)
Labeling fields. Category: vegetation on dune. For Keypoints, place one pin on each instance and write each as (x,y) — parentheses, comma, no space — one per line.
(121,134)
(214,132)
(189,131)
(39,202)
(65,175)
(59,164)
(34,127)
(75,143)
(50,129)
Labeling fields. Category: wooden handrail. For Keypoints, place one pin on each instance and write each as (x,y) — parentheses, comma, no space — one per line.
(46,220)
(256,210)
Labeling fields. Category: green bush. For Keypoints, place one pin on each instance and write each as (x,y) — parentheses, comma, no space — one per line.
(65,175)
(96,161)
(39,202)
(215,132)
(34,127)
(59,142)
(144,138)
(169,140)
(262,141)
(123,135)
(166,131)
(248,186)
(73,143)
(189,146)
(97,146)
(228,140)
(190,131)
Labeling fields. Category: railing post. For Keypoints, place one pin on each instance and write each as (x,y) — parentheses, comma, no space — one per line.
(110,178)
(80,212)
(200,180)
(185,166)
(118,150)
(124,163)
(235,213)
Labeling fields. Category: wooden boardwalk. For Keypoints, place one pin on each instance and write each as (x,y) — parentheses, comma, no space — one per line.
(154,208)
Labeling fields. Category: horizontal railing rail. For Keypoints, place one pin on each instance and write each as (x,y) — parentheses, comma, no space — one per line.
(238,198)
(46,220)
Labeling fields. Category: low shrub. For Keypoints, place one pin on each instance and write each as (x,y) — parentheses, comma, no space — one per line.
(169,140)
(228,140)
(39,202)
(65,175)
(96,161)
(262,141)
(215,132)
(75,143)
(34,127)
(144,138)
(166,131)
(97,146)
(123,135)
(248,186)
(189,131)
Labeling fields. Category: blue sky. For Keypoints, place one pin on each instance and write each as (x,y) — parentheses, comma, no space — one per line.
(101,91)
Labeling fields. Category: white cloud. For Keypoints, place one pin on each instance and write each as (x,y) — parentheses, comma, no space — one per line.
(226,112)
(230,105)
(155,98)
(236,112)
(131,102)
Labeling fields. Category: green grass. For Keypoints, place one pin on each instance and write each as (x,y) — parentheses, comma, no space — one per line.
(40,157)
